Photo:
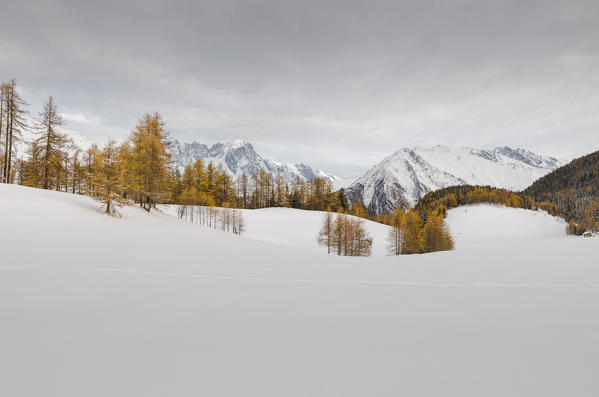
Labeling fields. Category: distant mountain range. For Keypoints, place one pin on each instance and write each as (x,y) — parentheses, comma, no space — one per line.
(239,157)
(400,179)
(408,174)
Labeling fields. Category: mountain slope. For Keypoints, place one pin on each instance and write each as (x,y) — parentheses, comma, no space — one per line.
(408,174)
(574,187)
(239,157)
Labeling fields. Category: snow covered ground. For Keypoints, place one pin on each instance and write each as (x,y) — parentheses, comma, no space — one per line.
(494,225)
(148,305)
(294,228)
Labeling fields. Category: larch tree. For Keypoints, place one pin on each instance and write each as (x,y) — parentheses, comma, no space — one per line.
(150,160)
(413,242)
(107,177)
(436,235)
(3,107)
(31,172)
(397,231)
(14,126)
(52,145)
(325,236)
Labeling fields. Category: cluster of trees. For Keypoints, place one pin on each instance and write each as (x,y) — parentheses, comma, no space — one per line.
(574,190)
(138,170)
(344,235)
(224,218)
(409,234)
(207,185)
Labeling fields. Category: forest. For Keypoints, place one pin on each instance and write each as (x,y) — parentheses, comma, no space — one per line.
(574,189)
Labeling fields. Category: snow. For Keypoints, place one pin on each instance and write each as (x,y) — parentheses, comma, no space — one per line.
(467,164)
(484,225)
(148,305)
(408,174)
(294,228)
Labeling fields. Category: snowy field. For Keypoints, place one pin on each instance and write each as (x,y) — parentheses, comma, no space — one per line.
(148,305)
(294,228)
(484,225)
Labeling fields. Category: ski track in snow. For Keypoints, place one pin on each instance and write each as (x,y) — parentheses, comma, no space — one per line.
(304,281)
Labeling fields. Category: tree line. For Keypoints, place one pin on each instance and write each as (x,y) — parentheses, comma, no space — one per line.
(575,206)
(208,185)
(225,218)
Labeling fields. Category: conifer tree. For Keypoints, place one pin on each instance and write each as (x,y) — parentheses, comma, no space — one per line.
(15,125)
(78,172)
(150,161)
(238,222)
(325,236)
(436,236)
(52,145)
(396,236)
(413,242)
(31,175)
(107,176)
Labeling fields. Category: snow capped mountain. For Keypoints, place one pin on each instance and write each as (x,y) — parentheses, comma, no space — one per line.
(239,157)
(408,174)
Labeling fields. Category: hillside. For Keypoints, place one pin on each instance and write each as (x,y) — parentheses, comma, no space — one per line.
(151,305)
(408,174)
(574,187)
(498,225)
(294,228)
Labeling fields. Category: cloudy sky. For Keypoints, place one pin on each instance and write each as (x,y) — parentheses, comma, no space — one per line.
(335,84)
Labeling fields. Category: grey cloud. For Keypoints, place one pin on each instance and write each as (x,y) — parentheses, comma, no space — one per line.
(337,84)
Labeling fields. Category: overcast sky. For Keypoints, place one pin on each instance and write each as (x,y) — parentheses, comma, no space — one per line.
(335,84)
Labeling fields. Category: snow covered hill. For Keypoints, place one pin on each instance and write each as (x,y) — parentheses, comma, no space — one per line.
(408,174)
(148,305)
(239,157)
(491,225)
(294,228)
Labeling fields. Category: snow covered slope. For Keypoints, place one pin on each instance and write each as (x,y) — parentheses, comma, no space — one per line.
(239,156)
(148,305)
(408,174)
(490,225)
(294,228)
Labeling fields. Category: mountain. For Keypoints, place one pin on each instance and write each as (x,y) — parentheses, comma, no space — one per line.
(239,157)
(408,174)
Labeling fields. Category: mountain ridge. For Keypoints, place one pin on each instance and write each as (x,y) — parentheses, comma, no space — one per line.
(408,173)
(239,157)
